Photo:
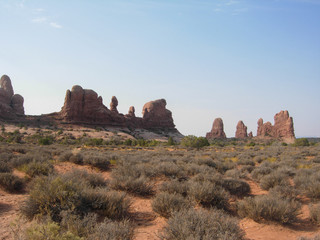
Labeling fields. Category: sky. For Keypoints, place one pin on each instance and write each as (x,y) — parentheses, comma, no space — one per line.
(234,59)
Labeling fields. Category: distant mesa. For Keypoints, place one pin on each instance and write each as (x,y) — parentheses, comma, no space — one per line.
(11,105)
(217,130)
(241,131)
(282,128)
(86,107)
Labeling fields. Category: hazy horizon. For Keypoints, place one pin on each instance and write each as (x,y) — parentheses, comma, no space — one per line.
(234,59)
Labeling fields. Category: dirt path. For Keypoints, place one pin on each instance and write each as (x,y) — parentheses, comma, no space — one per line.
(148,224)
(9,212)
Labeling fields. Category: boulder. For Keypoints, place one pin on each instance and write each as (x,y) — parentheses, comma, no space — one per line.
(241,131)
(217,130)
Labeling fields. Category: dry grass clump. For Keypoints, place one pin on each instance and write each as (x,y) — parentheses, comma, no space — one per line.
(273,179)
(34,168)
(166,203)
(201,224)
(269,207)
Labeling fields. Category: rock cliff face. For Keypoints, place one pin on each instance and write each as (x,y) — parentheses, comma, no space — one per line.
(241,131)
(217,130)
(11,105)
(84,106)
(282,128)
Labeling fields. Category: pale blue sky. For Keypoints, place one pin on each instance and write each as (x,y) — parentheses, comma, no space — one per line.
(234,59)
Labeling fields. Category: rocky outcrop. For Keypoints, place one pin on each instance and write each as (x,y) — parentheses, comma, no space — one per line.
(155,115)
(114,104)
(250,135)
(282,128)
(11,105)
(85,106)
(241,131)
(217,130)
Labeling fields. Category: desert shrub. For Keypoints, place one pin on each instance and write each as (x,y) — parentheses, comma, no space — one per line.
(317,237)
(5,167)
(201,224)
(301,142)
(175,186)
(79,226)
(65,157)
(309,182)
(284,191)
(269,207)
(166,203)
(50,231)
(93,179)
(315,213)
(260,171)
(170,169)
(46,140)
(98,161)
(208,194)
(94,142)
(236,187)
(109,230)
(107,203)
(76,158)
(235,173)
(37,168)
(50,195)
(140,186)
(194,142)
(10,182)
(274,179)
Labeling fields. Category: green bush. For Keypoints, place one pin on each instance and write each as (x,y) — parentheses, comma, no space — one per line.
(166,203)
(194,142)
(10,182)
(47,140)
(301,142)
(201,224)
(273,208)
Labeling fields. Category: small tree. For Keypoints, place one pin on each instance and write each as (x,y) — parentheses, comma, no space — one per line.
(171,141)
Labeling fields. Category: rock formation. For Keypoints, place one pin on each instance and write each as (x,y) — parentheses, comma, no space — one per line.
(282,128)
(250,135)
(114,104)
(131,112)
(241,131)
(11,105)
(155,115)
(84,106)
(217,130)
